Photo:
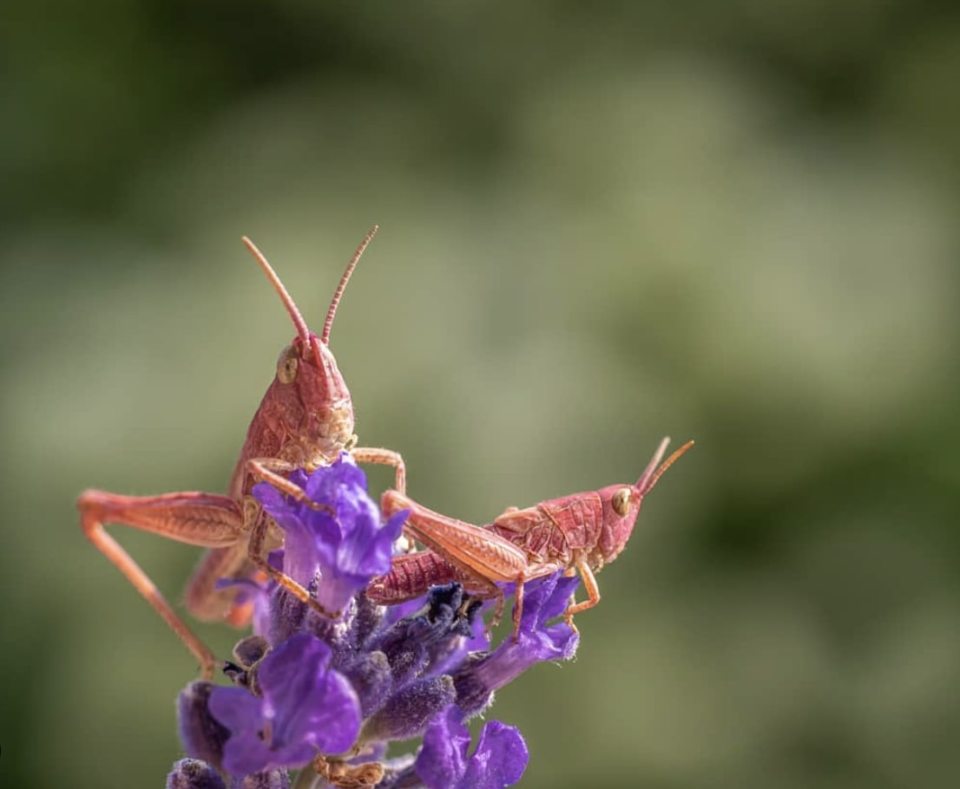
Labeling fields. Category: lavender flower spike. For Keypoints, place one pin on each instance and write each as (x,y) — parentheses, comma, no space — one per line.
(305,707)
(327,697)
(346,547)
(499,760)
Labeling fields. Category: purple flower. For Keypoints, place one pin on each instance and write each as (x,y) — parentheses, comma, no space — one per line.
(544,600)
(345,543)
(305,707)
(499,760)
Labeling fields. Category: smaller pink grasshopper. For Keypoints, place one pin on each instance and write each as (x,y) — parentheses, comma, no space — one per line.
(581,532)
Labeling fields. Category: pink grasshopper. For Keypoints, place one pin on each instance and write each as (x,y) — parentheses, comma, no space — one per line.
(582,532)
(304,421)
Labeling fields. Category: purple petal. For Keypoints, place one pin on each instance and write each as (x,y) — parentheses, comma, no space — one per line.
(300,555)
(236,708)
(246,750)
(368,550)
(442,760)
(305,707)
(340,481)
(346,550)
(246,753)
(548,598)
(288,662)
(308,701)
(500,759)
(538,641)
(276,504)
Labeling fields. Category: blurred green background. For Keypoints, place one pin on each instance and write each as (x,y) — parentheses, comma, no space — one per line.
(601,223)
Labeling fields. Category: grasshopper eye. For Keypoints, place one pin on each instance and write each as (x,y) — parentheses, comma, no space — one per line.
(287,365)
(621,501)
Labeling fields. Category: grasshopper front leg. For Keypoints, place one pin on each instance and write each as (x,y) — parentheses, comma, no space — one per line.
(384,457)
(195,518)
(593,594)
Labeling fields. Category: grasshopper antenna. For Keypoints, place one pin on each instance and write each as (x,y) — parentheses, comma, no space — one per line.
(674,457)
(338,293)
(654,461)
(299,323)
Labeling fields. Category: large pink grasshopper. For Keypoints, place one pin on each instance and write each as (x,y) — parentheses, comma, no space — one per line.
(577,533)
(305,420)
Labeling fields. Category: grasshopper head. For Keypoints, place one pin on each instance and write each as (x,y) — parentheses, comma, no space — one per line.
(307,408)
(621,503)
(316,409)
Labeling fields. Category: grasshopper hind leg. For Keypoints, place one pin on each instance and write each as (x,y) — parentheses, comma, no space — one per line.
(194,518)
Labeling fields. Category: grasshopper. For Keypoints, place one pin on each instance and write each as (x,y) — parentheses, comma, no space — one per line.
(581,533)
(305,420)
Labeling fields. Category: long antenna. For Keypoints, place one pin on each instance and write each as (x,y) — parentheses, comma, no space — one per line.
(338,293)
(299,323)
(648,471)
(674,457)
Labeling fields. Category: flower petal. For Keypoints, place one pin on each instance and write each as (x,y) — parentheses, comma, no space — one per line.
(442,760)
(235,708)
(479,677)
(247,753)
(346,550)
(306,700)
(500,759)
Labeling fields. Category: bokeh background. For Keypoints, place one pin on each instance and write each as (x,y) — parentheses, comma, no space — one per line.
(601,223)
